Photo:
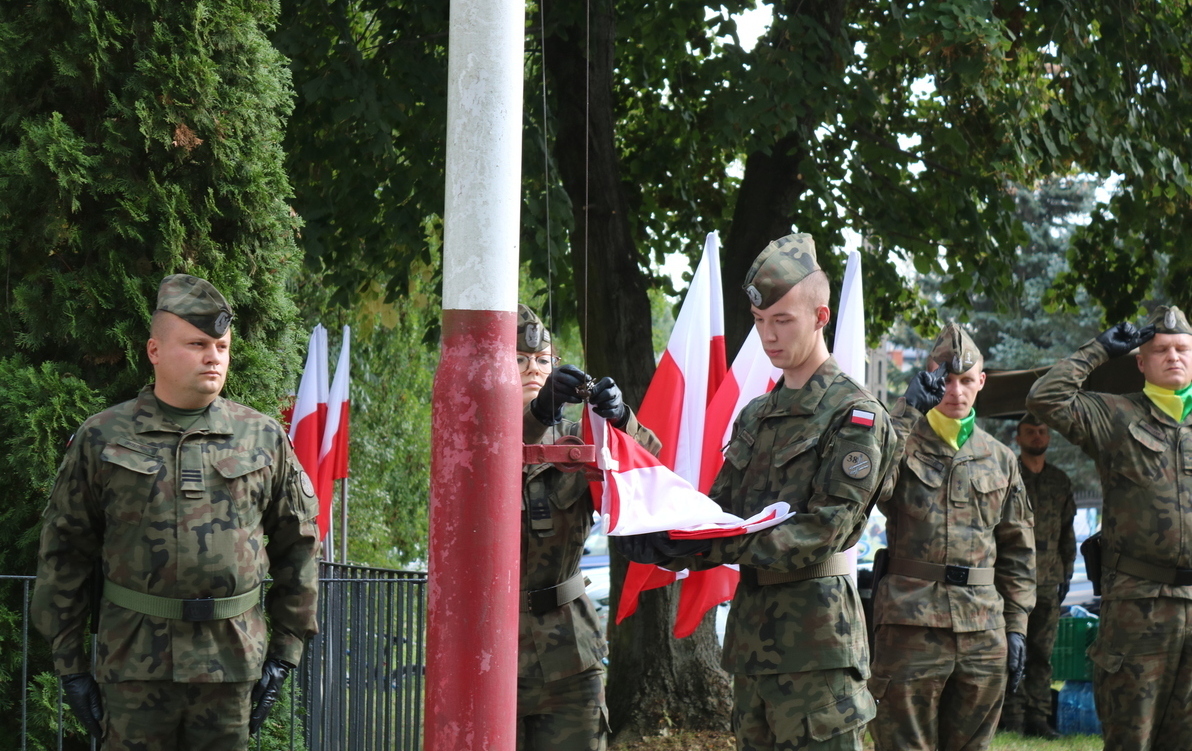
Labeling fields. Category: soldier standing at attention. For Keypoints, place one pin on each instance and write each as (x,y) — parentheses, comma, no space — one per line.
(1142,444)
(170,498)
(795,642)
(1050,493)
(961,577)
(560,676)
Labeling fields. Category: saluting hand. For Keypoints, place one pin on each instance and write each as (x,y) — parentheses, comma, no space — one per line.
(927,389)
(1124,337)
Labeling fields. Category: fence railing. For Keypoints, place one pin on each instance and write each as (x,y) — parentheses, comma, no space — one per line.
(360,684)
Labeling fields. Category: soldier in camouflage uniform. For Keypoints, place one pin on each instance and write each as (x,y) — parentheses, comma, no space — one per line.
(1142,444)
(961,576)
(560,673)
(795,641)
(1050,493)
(182,503)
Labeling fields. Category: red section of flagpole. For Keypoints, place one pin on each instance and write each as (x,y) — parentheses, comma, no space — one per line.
(475,511)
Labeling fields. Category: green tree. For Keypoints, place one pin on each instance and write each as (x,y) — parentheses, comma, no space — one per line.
(136,140)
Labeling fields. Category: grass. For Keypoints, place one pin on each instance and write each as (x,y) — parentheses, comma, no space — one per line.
(723,741)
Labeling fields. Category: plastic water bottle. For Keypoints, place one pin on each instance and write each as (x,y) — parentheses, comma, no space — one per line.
(1076,611)
(1077,712)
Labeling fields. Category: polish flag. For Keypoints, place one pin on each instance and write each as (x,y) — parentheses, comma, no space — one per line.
(310,413)
(675,404)
(848,347)
(333,452)
(751,376)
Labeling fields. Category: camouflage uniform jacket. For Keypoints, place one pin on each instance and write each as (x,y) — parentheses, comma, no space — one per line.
(567,640)
(1144,458)
(799,446)
(960,508)
(178,515)
(1050,494)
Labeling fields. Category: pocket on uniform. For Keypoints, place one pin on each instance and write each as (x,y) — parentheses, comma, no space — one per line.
(133,472)
(245,475)
(846,715)
(1145,456)
(989,491)
(1102,657)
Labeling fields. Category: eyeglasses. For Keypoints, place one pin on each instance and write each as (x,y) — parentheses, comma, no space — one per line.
(544,363)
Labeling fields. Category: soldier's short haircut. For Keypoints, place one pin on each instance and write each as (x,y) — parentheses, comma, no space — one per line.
(1028,419)
(816,288)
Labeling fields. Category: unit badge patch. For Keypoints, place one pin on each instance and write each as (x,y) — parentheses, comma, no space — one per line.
(857,465)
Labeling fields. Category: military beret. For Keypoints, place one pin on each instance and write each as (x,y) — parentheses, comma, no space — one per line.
(783,264)
(532,336)
(195,301)
(954,348)
(1169,320)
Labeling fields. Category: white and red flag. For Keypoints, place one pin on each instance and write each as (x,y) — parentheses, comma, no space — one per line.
(333,451)
(675,404)
(310,413)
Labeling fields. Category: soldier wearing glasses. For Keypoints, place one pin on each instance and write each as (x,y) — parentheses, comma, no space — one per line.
(560,673)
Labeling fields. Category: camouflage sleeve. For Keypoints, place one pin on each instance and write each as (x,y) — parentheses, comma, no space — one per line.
(71,539)
(643,435)
(293,550)
(852,468)
(1067,549)
(1057,399)
(1014,569)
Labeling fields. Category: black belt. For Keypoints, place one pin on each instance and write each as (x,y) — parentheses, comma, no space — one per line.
(539,601)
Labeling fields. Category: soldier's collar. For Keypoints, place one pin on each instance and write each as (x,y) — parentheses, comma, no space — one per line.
(149,418)
(804,401)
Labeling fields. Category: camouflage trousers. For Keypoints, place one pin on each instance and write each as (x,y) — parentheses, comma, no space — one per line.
(564,715)
(1143,673)
(824,710)
(1033,698)
(166,716)
(937,689)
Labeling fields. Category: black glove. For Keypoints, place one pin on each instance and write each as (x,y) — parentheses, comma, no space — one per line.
(641,548)
(1015,660)
(561,387)
(681,548)
(927,389)
(1061,590)
(267,690)
(606,401)
(82,694)
(1124,337)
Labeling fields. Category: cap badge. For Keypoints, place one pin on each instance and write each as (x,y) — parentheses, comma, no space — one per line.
(533,334)
(755,297)
(1169,320)
(221,322)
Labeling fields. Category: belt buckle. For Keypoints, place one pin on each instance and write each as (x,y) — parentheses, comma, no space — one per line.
(957,575)
(1183,577)
(199,610)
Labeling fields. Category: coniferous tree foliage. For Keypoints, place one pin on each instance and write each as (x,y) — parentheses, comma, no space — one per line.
(137,139)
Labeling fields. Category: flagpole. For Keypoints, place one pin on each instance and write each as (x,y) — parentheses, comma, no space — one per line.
(475,492)
(343,520)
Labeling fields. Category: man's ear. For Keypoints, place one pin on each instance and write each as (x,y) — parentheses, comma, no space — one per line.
(823,314)
(152,351)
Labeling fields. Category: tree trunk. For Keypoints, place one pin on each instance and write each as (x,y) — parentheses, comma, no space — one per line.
(764,212)
(655,681)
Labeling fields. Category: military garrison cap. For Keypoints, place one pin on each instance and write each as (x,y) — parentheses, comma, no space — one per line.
(954,348)
(1030,419)
(532,336)
(1169,320)
(783,264)
(195,301)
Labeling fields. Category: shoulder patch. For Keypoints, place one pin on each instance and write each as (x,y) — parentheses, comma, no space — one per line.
(861,417)
(308,487)
(857,465)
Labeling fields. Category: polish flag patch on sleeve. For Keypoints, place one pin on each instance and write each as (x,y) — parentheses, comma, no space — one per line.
(861,417)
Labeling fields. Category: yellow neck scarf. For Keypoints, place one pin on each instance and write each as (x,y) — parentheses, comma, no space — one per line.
(1176,404)
(955,432)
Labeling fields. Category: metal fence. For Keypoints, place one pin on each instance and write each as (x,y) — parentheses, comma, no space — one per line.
(360,684)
